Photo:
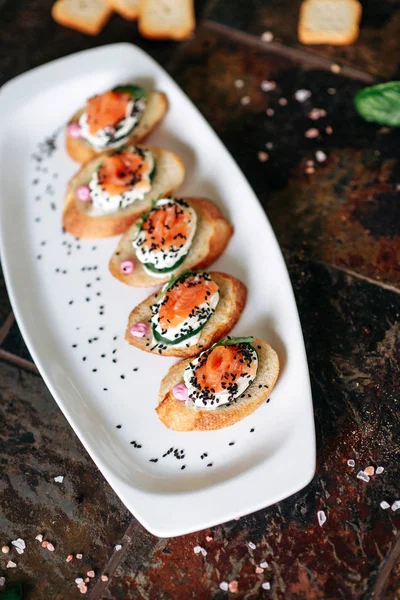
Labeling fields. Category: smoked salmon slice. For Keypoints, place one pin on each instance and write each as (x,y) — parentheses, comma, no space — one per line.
(184,298)
(167,227)
(123,170)
(106,110)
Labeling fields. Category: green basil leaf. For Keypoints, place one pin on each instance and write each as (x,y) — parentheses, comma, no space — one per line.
(13,594)
(380,103)
(136,91)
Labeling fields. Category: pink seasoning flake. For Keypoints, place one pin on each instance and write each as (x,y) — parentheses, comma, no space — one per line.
(270,112)
(302,95)
(87,579)
(316,113)
(329,130)
(239,84)
(39,538)
(252,545)
(139,330)
(321,517)
(311,133)
(74,130)
(83,193)
(233,587)
(264,564)
(45,544)
(11,565)
(267,37)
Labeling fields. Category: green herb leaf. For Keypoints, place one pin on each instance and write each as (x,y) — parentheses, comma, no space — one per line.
(13,594)
(136,91)
(380,103)
(234,341)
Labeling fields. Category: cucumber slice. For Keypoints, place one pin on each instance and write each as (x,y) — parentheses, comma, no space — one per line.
(154,269)
(163,340)
(136,91)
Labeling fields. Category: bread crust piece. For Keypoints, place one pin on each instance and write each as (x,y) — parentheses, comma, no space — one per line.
(232,300)
(91,26)
(212,235)
(176,415)
(76,220)
(309,36)
(128,9)
(157,105)
(152,23)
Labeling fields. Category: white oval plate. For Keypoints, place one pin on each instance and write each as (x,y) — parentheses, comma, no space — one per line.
(50,275)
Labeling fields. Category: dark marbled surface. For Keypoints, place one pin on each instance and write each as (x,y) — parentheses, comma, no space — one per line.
(345,215)
(80,515)
(377,49)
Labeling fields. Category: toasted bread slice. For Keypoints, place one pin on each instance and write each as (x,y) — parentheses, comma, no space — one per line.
(232,300)
(157,105)
(166,19)
(212,235)
(87,16)
(76,218)
(329,22)
(128,9)
(180,416)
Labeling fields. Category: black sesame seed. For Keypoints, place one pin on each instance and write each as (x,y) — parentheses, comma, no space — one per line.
(231,443)
(105,389)
(119,426)
(183,467)
(252,430)
(209,465)
(94,370)
(122,376)
(83,358)
(74,345)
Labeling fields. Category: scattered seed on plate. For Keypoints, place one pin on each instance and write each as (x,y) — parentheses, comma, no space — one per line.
(351,462)
(79,556)
(320,156)
(321,517)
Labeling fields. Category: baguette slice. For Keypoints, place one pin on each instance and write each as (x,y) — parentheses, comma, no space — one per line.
(76,218)
(232,300)
(212,235)
(157,105)
(176,415)
(329,22)
(87,16)
(166,19)
(128,9)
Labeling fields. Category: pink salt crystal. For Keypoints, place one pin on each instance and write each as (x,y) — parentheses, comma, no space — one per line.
(104,578)
(50,547)
(45,544)
(259,570)
(87,579)
(263,156)
(69,558)
(90,573)
(369,470)
(312,133)
(82,588)
(245,100)
(209,538)
(329,130)
(233,586)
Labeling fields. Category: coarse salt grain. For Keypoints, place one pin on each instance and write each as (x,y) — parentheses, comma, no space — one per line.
(269,145)
(78,580)
(267,36)
(19,545)
(5,549)
(39,538)
(363,476)
(118,547)
(252,545)
(82,588)
(79,556)
(335,68)
(204,552)
(369,470)
(320,156)
(264,564)
(197,549)
(209,538)
(59,479)
(270,112)
(10,565)
(385,505)
(302,95)
(309,163)
(104,578)
(329,130)
(69,558)
(223,586)
(45,544)
(2,581)
(267,86)
(311,133)
(238,83)
(331,91)
(316,113)
(259,570)
(233,587)
(50,547)
(321,517)
(396,505)
(266,585)
(282,101)
(379,470)
(90,573)
(245,100)
(309,170)
(87,579)
(263,156)
(351,462)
